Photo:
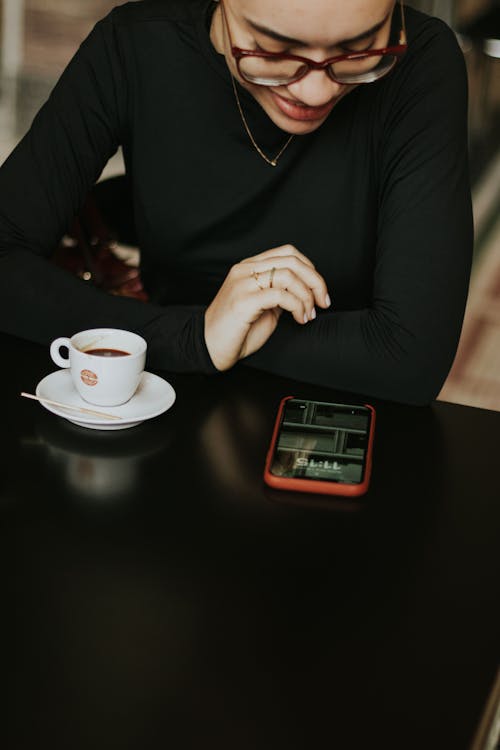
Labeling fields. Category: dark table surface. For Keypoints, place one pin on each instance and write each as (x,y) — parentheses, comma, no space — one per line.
(156,594)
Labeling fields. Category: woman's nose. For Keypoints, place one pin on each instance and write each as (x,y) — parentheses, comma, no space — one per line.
(315,89)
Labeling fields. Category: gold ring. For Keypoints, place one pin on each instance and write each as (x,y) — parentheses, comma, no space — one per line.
(271,277)
(256,277)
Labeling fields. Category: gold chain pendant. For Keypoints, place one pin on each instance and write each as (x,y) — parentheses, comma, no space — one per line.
(271,162)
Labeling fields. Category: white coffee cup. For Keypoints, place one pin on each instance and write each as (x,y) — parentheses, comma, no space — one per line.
(106,364)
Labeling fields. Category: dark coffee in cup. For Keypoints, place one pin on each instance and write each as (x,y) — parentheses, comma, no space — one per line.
(107,352)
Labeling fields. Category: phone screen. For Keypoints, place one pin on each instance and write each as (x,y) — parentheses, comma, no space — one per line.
(322,441)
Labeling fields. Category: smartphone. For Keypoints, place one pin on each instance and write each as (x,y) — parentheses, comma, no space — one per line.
(322,447)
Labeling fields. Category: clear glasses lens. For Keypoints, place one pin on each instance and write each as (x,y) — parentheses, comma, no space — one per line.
(271,72)
(363,70)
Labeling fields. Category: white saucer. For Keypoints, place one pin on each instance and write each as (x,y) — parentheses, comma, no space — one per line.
(153,396)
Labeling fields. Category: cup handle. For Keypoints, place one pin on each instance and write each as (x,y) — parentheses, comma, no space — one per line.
(55,353)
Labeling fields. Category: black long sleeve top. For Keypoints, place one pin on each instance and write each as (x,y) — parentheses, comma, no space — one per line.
(378,198)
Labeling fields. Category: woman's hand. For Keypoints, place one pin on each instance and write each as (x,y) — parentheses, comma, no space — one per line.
(247,307)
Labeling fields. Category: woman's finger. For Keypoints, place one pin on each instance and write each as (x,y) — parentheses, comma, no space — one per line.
(286,280)
(263,270)
(267,299)
(281,250)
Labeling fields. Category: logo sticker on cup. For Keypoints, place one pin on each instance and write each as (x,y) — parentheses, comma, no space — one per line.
(88,377)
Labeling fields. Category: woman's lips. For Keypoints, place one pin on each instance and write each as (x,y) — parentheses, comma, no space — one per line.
(301,112)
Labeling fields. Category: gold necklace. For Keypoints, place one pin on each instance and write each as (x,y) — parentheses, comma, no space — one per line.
(271,162)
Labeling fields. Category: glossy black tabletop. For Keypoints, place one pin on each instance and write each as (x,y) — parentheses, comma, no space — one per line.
(156,594)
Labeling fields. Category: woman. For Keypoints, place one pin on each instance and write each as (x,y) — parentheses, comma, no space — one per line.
(299,177)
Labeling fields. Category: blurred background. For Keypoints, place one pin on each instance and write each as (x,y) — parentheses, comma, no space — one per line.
(38,38)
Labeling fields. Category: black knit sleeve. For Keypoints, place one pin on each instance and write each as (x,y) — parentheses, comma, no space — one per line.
(42,187)
(401,347)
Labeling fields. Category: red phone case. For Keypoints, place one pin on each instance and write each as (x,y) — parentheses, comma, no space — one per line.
(314,485)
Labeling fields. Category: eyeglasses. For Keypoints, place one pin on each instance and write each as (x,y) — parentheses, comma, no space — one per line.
(275,69)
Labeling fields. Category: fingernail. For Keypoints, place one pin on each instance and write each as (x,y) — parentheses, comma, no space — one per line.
(313,313)
(306,319)
(328,300)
